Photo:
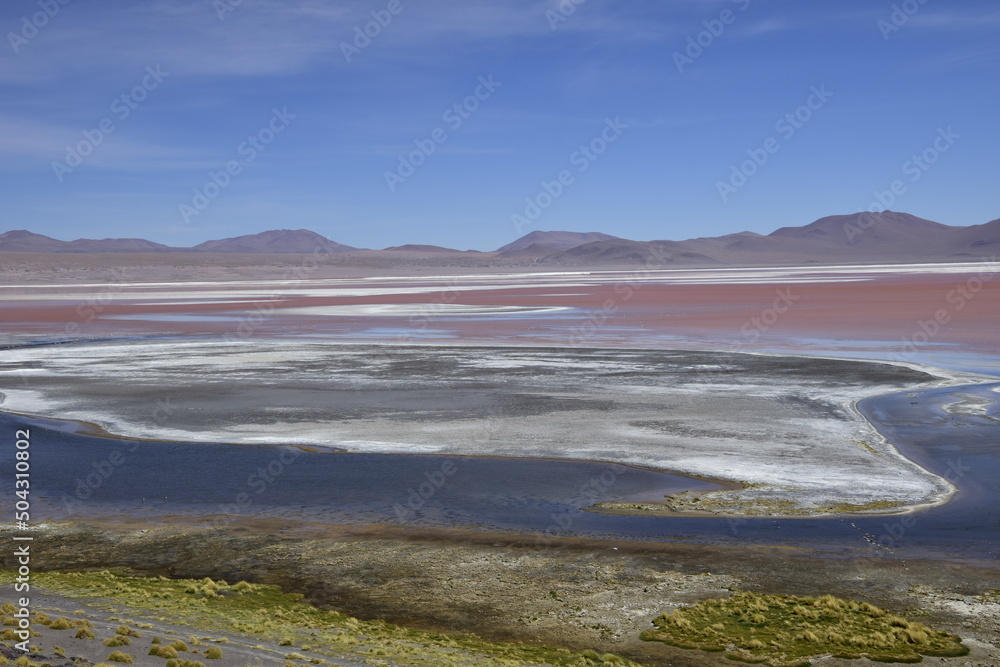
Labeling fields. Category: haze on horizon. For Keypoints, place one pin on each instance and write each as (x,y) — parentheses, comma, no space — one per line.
(210,119)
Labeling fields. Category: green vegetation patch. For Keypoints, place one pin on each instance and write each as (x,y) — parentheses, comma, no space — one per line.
(265,612)
(782,631)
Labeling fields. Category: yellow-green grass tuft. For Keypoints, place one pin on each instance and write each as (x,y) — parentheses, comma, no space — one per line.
(787,630)
(163,651)
(62,623)
(118,656)
(127,631)
(214,653)
(117,640)
(266,613)
(243,587)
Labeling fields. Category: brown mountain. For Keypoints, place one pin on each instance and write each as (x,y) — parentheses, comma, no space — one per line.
(652,254)
(530,252)
(114,245)
(861,237)
(979,242)
(889,237)
(555,240)
(416,247)
(277,241)
(21,240)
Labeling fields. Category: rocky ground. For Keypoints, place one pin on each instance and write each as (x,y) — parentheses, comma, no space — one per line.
(576,594)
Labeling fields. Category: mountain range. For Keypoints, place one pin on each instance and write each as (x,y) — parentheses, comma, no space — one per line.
(858,238)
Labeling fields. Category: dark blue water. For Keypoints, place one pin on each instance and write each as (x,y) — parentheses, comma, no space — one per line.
(80,475)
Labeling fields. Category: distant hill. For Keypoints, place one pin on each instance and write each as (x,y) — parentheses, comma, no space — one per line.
(555,240)
(21,240)
(884,234)
(531,252)
(977,241)
(114,245)
(889,237)
(413,247)
(652,254)
(272,242)
(858,237)
(278,241)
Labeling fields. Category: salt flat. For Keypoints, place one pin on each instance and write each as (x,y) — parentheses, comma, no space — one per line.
(787,426)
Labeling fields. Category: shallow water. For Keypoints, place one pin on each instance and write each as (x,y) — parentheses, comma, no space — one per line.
(74,474)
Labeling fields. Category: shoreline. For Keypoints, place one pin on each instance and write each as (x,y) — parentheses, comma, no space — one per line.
(941,379)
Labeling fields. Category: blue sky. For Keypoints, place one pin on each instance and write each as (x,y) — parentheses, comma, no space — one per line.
(162,95)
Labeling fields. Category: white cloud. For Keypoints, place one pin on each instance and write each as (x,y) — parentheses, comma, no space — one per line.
(33,140)
(274,37)
(955,21)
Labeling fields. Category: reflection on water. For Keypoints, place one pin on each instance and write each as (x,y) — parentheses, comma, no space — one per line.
(82,475)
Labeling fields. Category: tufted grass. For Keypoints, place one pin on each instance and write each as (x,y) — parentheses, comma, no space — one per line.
(785,631)
(267,614)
